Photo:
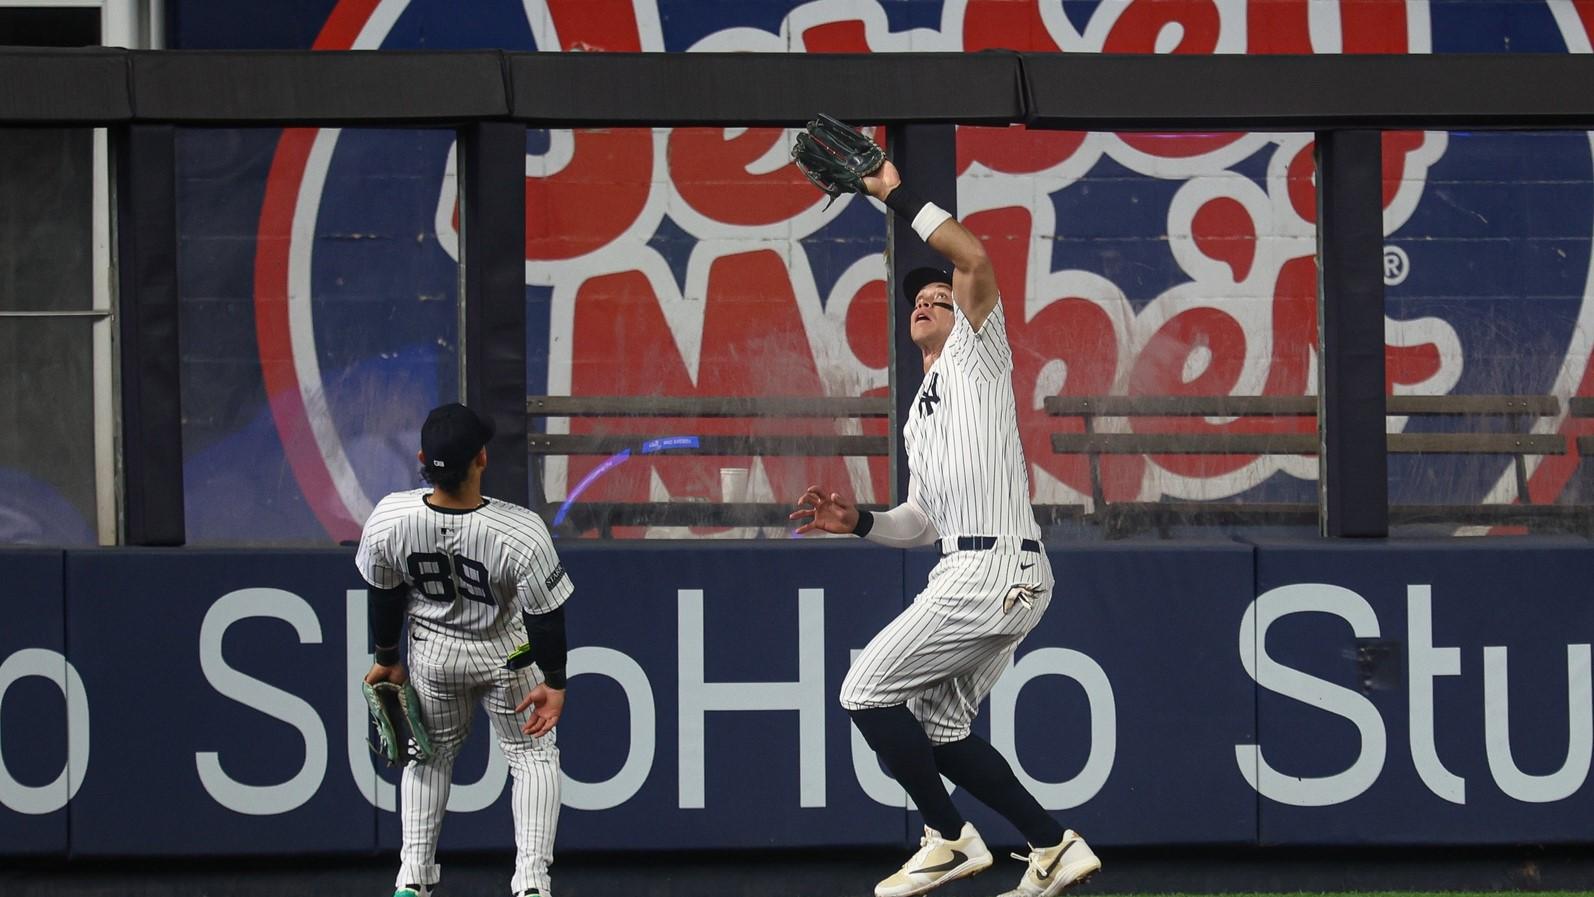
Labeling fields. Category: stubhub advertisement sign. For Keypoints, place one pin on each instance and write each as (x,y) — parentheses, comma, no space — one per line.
(1302,693)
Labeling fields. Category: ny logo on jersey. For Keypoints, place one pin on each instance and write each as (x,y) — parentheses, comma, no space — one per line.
(929,397)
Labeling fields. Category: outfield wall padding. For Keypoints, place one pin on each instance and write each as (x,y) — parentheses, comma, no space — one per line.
(220,687)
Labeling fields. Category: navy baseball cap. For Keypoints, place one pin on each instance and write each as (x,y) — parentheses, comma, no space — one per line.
(452,435)
(919,278)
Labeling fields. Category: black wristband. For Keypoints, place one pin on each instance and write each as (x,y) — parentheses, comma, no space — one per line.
(554,679)
(385,611)
(905,202)
(865,523)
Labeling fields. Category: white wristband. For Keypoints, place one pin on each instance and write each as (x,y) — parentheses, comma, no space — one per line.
(929,218)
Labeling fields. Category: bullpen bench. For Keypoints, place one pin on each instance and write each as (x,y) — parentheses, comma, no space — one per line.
(604,516)
(1582,407)
(1514,414)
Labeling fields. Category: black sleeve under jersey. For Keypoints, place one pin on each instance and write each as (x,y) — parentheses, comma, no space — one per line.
(385,608)
(546,635)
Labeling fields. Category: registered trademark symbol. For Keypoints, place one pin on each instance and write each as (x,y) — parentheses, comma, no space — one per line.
(1396,266)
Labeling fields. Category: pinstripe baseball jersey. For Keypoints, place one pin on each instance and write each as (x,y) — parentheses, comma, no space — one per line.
(966,461)
(468,571)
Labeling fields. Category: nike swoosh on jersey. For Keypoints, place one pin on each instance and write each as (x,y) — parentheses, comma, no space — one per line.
(958,859)
(1026,566)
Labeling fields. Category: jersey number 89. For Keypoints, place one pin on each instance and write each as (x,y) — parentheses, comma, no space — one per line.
(438,579)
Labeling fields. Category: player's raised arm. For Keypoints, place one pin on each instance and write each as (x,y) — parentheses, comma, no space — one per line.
(973,277)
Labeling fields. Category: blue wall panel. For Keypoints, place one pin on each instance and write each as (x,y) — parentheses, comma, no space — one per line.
(1366,629)
(36,689)
(220,688)
(1156,624)
(629,694)
(220,685)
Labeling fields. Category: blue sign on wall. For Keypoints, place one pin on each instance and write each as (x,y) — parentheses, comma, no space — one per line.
(1431,692)
(702,708)
(1136,654)
(43,708)
(1320,693)
(223,690)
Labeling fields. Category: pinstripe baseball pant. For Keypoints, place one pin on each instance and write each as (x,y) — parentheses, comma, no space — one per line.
(942,655)
(451,675)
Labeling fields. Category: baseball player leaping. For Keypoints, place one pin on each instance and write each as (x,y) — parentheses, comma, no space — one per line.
(914,690)
(484,592)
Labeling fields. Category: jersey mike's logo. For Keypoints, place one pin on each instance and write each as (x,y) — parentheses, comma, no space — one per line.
(697,261)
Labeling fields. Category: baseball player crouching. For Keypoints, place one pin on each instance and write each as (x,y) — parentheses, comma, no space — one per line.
(914,690)
(484,593)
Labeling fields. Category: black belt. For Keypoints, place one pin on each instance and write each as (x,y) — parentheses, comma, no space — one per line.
(986,543)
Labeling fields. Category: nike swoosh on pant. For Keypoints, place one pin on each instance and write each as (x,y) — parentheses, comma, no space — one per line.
(958,859)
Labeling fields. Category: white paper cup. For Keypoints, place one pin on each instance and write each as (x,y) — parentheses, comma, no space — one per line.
(733,485)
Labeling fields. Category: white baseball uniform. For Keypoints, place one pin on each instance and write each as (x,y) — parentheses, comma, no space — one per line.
(470,575)
(942,655)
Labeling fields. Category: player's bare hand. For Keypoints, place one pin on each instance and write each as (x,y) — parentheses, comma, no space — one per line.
(883,181)
(546,705)
(394,674)
(827,513)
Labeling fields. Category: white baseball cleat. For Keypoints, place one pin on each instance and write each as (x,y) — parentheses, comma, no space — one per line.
(1051,869)
(937,862)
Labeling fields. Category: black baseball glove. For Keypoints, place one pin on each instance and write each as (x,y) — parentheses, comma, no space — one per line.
(836,156)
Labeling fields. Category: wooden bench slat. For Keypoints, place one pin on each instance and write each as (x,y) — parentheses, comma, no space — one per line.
(1185,443)
(1478,443)
(1182,406)
(1123,517)
(1580,406)
(1300,443)
(1119,514)
(1535,406)
(613,443)
(708,406)
(1490,514)
(597,515)
(1151,514)
(1295,406)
